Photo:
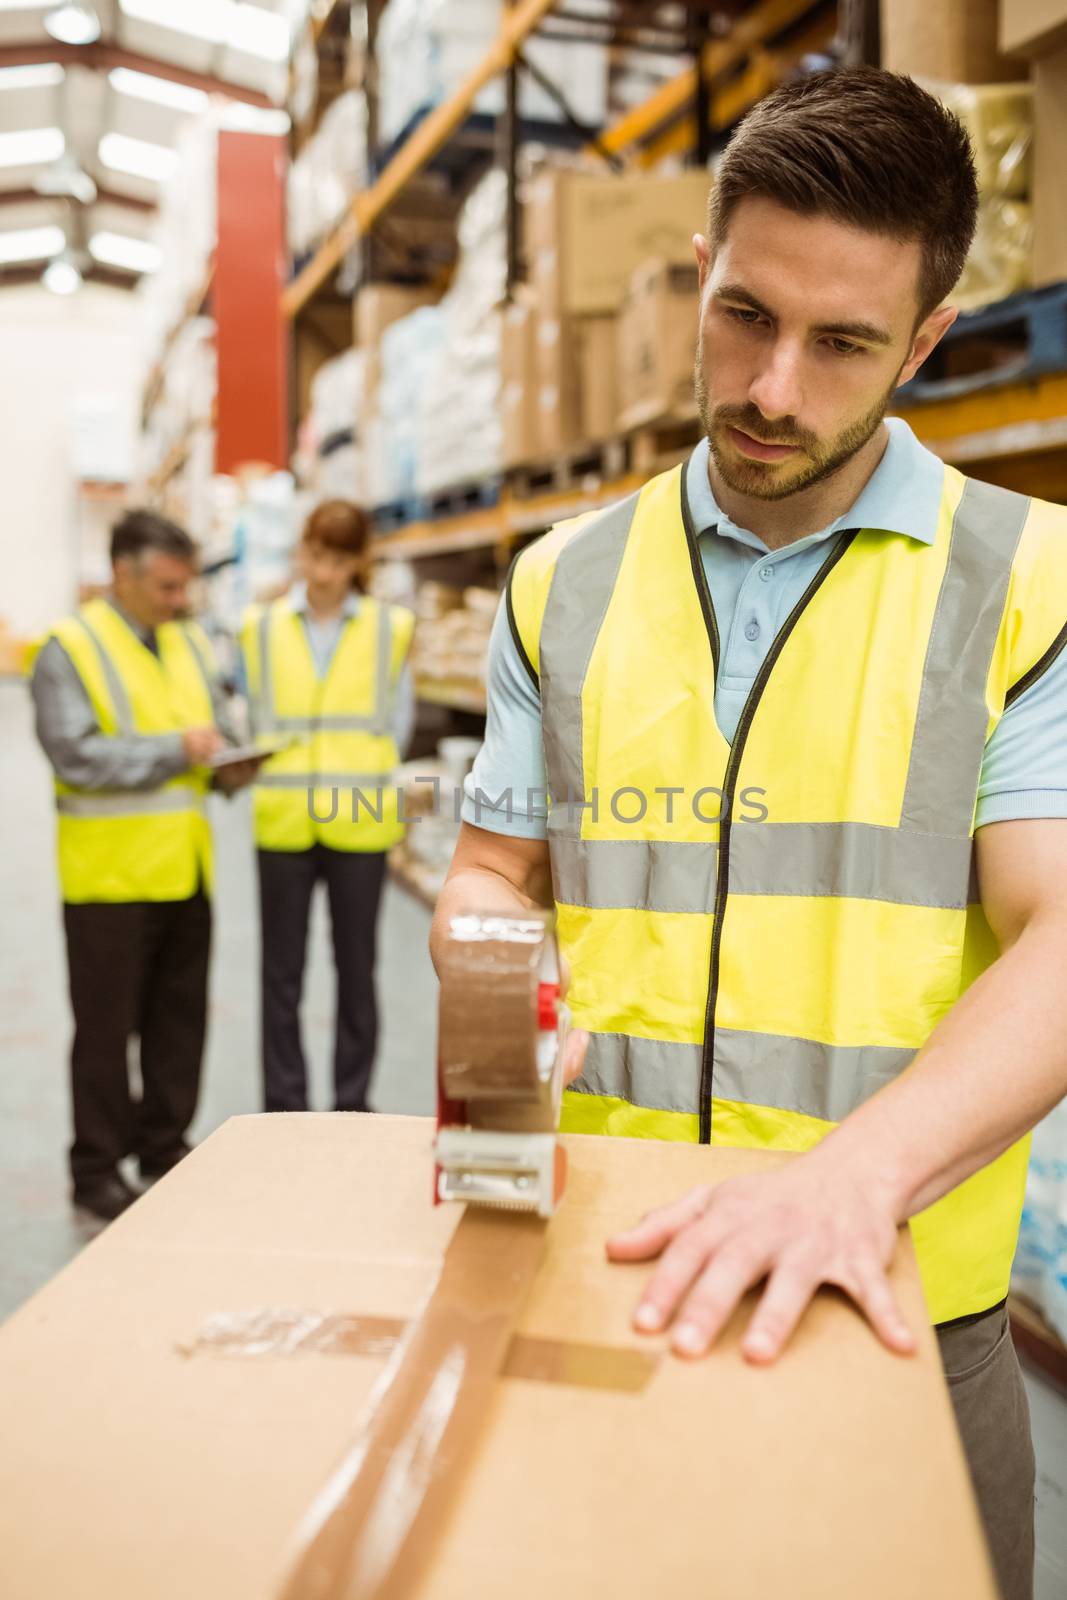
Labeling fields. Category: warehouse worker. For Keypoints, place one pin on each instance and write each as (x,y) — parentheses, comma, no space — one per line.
(852,654)
(326,669)
(129,713)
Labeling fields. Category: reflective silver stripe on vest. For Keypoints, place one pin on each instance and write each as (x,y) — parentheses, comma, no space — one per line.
(377,721)
(129,804)
(382,687)
(205,671)
(115,686)
(264,704)
(325,780)
(578,599)
(328,724)
(848,860)
(950,726)
(763,1069)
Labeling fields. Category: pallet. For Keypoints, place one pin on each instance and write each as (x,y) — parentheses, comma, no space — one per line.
(660,445)
(478,494)
(570,472)
(475,143)
(1020,338)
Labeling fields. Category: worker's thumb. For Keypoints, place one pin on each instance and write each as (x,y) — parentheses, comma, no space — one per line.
(574,1055)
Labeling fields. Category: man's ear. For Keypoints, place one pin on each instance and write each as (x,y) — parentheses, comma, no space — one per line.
(703,254)
(930,333)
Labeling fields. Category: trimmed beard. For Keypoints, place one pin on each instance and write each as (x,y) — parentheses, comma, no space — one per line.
(755,478)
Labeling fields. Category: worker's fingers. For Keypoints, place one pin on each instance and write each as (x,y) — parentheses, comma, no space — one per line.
(782,1304)
(869,1286)
(716,1295)
(574,1055)
(648,1237)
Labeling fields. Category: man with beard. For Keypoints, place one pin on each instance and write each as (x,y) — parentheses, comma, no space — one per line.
(863,964)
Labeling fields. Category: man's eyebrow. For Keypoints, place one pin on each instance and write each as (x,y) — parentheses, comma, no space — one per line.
(869,332)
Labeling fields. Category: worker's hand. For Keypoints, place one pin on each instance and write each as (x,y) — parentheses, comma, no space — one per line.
(201,744)
(799,1226)
(578,1041)
(238,776)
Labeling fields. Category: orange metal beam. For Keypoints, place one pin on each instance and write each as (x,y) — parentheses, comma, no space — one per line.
(516,25)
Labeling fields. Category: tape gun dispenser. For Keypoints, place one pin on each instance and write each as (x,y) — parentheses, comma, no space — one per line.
(502,1029)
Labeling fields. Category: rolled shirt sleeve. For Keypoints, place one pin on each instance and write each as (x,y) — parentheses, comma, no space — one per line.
(506,792)
(1024,769)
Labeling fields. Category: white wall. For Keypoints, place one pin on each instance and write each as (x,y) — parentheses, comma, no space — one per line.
(54,353)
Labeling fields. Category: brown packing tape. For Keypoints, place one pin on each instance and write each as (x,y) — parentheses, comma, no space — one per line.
(490,968)
(371,1531)
(621,1369)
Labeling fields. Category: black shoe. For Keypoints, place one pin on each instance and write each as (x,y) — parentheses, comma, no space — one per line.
(106,1197)
(158,1167)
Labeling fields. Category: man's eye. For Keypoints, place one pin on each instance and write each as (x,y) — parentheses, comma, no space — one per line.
(744,314)
(844,347)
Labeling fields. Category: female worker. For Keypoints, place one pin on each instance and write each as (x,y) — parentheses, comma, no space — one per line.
(328,681)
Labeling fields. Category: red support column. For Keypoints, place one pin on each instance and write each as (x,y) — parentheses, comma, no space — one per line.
(250,260)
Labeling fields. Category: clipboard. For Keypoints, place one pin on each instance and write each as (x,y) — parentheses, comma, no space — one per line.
(237,755)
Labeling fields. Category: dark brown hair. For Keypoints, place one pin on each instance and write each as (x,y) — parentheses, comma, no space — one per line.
(339,525)
(867,148)
(142,530)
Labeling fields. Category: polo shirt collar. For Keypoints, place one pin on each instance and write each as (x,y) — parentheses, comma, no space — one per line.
(902,495)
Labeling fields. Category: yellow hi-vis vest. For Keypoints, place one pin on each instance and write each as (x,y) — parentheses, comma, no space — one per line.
(752,981)
(334,783)
(123,844)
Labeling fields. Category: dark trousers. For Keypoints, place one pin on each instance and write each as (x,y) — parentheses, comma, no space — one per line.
(139,968)
(993,1417)
(354,887)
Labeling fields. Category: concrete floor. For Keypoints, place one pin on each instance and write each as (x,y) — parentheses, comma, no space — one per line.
(39,1233)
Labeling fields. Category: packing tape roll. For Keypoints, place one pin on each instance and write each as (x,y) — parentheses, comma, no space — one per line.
(490,970)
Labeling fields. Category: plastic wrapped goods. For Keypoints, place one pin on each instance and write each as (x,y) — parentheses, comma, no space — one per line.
(459,408)
(999,119)
(1040,1270)
(328,171)
(428,47)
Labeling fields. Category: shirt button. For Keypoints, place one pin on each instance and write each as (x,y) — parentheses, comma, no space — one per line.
(752,630)
(766,573)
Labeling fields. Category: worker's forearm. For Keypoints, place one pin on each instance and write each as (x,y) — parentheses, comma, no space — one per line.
(994,1066)
(474,889)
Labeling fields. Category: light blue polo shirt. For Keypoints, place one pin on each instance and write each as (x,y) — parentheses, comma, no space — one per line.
(753,590)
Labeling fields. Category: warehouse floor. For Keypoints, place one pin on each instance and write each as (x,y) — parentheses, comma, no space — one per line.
(39,1232)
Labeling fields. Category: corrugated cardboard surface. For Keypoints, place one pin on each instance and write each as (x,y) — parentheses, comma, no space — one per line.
(586,233)
(657,340)
(130,1472)
(1033,27)
(952,41)
(1050,142)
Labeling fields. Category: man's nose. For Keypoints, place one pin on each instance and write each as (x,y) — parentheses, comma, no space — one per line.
(776,390)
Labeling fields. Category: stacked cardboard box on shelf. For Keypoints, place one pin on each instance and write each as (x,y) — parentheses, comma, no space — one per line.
(585,234)
(452,636)
(1035,32)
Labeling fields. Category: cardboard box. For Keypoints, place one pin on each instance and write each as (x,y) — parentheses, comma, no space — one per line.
(559,377)
(518,380)
(1033,27)
(131,1468)
(1050,143)
(376,306)
(598,377)
(657,343)
(951,41)
(585,233)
